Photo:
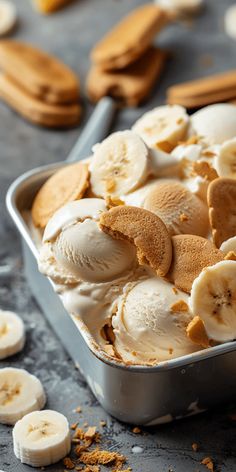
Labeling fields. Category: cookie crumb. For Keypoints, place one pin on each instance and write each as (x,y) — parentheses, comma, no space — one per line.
(197,333)
(207,461)
(90,433)
(175,290)
(103,423)
(204,170)
(136,430)
(183,217)
(179,306)
(73,426)
(68,463)
(195,447)
(230,256)
(102,457)
(113,201)
(110,185)
(78,409)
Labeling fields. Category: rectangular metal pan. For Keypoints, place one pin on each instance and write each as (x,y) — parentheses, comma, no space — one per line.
(139,395)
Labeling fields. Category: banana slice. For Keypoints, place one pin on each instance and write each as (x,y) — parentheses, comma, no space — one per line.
(119,165)
(20,393)
(230,21)
(41,438)
(229,245)
(213,299)
(163,127)
(12,334)
(8,16)
(225,160)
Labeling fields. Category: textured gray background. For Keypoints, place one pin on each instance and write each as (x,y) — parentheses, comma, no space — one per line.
(70,34)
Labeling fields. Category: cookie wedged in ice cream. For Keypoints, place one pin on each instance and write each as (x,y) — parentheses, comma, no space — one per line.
(115,268)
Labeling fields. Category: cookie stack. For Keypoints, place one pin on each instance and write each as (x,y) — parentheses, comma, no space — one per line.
(45,92)
(125,64)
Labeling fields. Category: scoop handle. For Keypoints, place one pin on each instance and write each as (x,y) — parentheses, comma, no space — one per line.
(96,129)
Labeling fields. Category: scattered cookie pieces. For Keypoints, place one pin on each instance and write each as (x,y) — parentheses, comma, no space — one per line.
(222,203)
(195,447)
(56,192)
(145,230)
(190,255)
(179,306)
(205,170)
(207,461)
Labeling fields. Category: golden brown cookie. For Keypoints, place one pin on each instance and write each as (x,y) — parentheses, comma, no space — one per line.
(197,333)
(143,229)
(130,85)
(66,185)
(205,170)
(39,73)
(130,38)
(190,254)
(35,111)
(201,92)
(49,6)
(221,198)
(180,210)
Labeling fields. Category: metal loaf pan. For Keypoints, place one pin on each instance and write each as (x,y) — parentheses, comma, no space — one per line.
(134,394)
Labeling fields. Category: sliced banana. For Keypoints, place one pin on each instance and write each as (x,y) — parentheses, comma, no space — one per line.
(20,393)
(41,438)
(120,164)
(230,21)
(163,127)
(229,245)
(12,334)
(225,160)
(8,16)
(213,299)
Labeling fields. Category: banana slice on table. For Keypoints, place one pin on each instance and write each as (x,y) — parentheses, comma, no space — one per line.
(225,160)
(12,334)
(8,16)
(229,245)
(41,438)
(163,127)
(20,393)
(184,7)
(213,299)
(230,21)
(120,164)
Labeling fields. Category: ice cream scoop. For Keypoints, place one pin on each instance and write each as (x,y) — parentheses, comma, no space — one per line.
(75,247)
(150,322)
(180,210)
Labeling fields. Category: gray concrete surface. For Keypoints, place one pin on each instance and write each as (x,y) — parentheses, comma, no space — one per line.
(198,49)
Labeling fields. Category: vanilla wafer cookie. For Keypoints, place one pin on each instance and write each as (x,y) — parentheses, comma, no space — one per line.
(41,74)
(130,85)
(127,41)
(190,254)
(145,230)
(221,198)
(35,111)
(66,185)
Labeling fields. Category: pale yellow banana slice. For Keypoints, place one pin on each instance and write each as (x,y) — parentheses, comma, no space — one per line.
(163,127)
(230,21)
(225,160)
(119,165)
(12,334)
(41,438)
(215,123)
(8,16)
(20,393)
(213,299)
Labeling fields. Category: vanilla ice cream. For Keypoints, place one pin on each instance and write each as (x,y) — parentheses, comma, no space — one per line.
(77,245)
(150,322)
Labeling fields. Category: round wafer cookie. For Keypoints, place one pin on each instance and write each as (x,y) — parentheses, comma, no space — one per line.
(190,254)
(66,185)
(145,230)
(221,197)
(180,210)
